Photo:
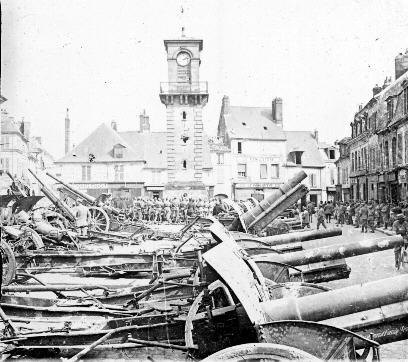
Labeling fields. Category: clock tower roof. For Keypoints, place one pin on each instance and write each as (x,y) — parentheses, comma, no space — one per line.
(183,42)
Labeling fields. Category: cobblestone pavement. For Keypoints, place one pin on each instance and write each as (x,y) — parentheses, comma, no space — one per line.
(367,268)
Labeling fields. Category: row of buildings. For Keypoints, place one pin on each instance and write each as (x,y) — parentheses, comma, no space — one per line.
(19,151)
(373,162)
(251,155)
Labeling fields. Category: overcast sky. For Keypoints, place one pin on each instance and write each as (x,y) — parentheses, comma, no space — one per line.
(104,60)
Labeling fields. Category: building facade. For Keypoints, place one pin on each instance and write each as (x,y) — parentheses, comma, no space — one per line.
(343,170)
(262,156)
(379,141)
(20,151)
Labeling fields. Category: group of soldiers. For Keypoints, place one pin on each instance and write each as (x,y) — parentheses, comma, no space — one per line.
(368,216)
(171,210)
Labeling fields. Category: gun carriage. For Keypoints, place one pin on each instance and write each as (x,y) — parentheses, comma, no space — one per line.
(231,309)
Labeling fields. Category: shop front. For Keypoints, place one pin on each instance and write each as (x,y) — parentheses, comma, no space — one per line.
(402,184)
(381,188)
(122,192)
(392,183)
(372,187)
(258,190)
(346,193)
(154,191)
(315,196)
(331,193)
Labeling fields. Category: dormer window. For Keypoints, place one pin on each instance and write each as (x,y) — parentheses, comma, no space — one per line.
(296,157)
(118,151)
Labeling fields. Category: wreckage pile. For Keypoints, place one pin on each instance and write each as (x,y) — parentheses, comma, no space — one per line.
(209,292)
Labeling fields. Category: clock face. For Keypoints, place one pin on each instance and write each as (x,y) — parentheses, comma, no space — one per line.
(183,59)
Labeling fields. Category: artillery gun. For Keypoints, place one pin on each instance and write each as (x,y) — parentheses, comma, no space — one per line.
(236,307)
(101,214)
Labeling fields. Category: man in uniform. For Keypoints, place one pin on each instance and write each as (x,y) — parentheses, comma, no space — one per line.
(400,227)
(363,217)
(385,213)
(321,216)
(357,218)
(371,217)
(81,213)
(167,210)
(175,210)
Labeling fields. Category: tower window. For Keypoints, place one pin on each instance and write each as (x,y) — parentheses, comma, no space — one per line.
(265,128)
(332,154)
(243,123)
(239,147)
(184,115)
(184,164)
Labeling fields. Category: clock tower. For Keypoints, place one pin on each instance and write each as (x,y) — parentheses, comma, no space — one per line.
(184,96)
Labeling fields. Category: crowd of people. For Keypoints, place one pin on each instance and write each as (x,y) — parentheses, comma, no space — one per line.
(173,210)
(365,215)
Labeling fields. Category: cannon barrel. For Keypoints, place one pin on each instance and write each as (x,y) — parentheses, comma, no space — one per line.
(75,191)
(20,190)
(339,302)
(268,209)
(54,199)
(292,237)
(333,252)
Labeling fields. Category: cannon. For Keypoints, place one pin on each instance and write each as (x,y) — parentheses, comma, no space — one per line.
(100,213)
(17,187)
(59,205)
(324,325)
(257,218)
(235,306)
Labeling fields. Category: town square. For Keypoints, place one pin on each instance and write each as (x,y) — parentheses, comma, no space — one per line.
(204,180)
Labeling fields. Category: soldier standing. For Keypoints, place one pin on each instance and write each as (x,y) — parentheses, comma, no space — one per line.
(357,218)
(363,217)
(321,216)
(385,213)
(371,217)
(400,227)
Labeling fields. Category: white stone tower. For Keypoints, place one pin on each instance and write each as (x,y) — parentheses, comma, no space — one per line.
(184,97)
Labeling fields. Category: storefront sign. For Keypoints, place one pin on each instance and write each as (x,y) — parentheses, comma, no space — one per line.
(90,186)
(258,185)
(353,180)
(402,176)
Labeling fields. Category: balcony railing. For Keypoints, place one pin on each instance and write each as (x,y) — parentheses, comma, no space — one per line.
(183,87)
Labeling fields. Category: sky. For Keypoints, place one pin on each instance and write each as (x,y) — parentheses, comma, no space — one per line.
(104,60)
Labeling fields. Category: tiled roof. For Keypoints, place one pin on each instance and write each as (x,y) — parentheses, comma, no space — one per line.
(304,141)
(252,123)
(149,147)
(100,143)
(151,144)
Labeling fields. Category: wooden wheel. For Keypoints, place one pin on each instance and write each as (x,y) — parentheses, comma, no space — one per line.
(261,352)
(99,219)
(29,240)
(8,263)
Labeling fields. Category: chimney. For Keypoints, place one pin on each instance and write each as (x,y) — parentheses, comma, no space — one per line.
(377,89)
(114,126)
(387,82)
(277,111)
(226,105)
(144,123)
(67,132)
(316,135)
(401,64)
(360,107)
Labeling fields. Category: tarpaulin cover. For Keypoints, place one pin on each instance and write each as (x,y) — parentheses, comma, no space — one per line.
(5,199)
(26,203)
